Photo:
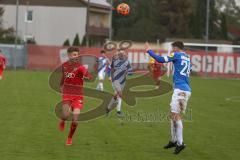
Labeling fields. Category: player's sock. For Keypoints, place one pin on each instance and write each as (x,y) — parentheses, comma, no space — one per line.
(72,129)
(61,125)
(119,104)
(97,88)
(173,131)
(179,132)
(101,86)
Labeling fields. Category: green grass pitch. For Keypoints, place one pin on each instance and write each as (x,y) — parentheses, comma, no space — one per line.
(29,125)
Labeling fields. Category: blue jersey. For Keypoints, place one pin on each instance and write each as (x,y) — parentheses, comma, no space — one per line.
(182,68)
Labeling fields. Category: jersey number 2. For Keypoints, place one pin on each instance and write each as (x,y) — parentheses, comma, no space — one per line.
(186,68)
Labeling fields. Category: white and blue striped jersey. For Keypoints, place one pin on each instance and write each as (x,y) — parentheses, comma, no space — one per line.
(120,68)
(102,64)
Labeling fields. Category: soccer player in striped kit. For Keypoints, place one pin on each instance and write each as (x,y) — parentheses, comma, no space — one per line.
(119,71)
(103,64)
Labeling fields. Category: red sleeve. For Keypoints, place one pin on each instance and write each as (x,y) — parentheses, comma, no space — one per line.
(85,72)
(88,75)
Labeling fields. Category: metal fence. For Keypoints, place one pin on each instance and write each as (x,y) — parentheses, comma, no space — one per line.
(16,56)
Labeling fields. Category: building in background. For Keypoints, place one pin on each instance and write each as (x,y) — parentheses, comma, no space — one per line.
(51,22)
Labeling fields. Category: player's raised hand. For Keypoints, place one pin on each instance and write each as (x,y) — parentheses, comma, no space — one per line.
(147,46)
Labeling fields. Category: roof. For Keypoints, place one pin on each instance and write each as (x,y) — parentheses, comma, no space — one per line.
(65,3)
(103,3)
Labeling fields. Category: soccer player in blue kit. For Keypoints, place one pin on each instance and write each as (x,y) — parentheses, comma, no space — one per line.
(182,90)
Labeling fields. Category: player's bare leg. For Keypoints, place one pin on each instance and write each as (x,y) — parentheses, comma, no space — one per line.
(158,81)
(117,99)
(73,127)
(111,105)
(64,116)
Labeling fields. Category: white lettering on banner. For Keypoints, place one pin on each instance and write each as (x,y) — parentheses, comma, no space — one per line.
(238,65)
(130,57)
(134,60)
(207,64)
(144,60)
(229,66)
(196,63)
(222,65)
(218,64)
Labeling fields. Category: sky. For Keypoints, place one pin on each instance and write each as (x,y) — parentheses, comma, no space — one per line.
(238,2)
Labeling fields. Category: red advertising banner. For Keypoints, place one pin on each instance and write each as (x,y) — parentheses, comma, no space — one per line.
(42,57)
(50,57)
(211,64)
(216,64)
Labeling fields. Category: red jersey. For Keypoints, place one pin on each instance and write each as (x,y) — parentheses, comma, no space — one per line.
(158,69)
(73,74)
(2,61)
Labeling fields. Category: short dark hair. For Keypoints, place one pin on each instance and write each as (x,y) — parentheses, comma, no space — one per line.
(72,49)
(102,51)
(178,44)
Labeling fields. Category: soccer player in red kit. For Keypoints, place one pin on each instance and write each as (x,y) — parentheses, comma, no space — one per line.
(71,85)
(2,64)
(157,70)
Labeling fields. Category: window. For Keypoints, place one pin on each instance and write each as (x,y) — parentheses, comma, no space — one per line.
(97,21)
(29,39)
(29,16)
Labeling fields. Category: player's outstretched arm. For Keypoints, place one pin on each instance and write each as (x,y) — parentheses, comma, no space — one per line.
(88,76)
(153,55)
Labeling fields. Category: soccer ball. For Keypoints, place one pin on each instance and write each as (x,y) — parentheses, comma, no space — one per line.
(123,9)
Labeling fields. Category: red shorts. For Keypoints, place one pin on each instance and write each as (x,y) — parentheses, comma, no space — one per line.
(1,70)
(76,102)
